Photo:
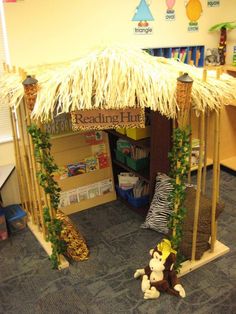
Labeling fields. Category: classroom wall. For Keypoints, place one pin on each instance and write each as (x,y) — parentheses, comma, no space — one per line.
(46,31)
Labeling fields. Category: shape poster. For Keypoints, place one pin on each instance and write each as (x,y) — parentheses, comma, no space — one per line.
(143,16)
(193,12)
(170,12)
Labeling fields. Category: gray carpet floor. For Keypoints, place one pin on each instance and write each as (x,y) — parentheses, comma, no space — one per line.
(104,284)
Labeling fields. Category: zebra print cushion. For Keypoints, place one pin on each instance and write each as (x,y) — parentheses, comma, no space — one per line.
(158,214)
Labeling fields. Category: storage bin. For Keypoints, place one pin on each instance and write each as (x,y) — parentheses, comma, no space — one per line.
(15,217)
(121,130)
(137,164)
(120,156)
(138,201)
(3,226)
(123,193)
(138,133)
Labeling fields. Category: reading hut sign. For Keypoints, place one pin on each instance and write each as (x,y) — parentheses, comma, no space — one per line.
(98,119)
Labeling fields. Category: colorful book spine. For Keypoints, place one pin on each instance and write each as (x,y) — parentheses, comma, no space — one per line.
(234,55)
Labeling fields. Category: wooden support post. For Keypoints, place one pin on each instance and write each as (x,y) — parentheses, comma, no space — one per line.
(198,192)
(218,74)
(215,184)
(26,167)
(34,171)
(205,153)
(206,117)
(18,162)
(218,156)
(190,148)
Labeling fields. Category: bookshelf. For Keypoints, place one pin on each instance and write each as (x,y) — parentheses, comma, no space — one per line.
(187,54)
(157,145)
(73,148)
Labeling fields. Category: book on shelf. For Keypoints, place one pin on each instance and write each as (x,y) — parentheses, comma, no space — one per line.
(82,193)
(76,168)
(73,196)
(61,173)
(98,149)
(138,153)
(64,200)
(93,190)
(123,146)
(105,186)
(91,163)
(140,189)
(103,160)
(93,137)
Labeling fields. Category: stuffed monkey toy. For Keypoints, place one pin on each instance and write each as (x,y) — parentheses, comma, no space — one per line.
(159,275)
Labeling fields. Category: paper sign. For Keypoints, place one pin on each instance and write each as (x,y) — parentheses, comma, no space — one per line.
(107,119)
(61,124)
(170,12)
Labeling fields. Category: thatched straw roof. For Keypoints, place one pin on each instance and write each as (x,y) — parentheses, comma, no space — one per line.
(116,77)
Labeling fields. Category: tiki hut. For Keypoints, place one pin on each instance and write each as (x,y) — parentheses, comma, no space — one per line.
(116,78)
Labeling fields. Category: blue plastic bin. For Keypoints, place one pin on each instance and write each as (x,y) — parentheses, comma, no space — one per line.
(123,193)
(138,201)
(3,226)
(15,217)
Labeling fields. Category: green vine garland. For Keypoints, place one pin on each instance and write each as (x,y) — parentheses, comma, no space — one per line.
(179,167)
(42,151)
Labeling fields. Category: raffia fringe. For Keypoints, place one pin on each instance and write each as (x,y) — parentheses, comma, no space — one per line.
(116,77)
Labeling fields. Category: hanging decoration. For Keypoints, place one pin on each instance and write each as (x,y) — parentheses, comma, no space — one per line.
(193,12)
(143,15)
(170,12)
(213,3)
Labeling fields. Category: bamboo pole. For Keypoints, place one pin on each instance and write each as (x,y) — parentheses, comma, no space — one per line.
(18,162)
(51,209)
(218,162)
(198,192)
(26,167)
(20,176)
(218,74)
(215,181)
(34,168)
(205,153)
(204,78)
(33,190)
(46,196)
(190,147)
